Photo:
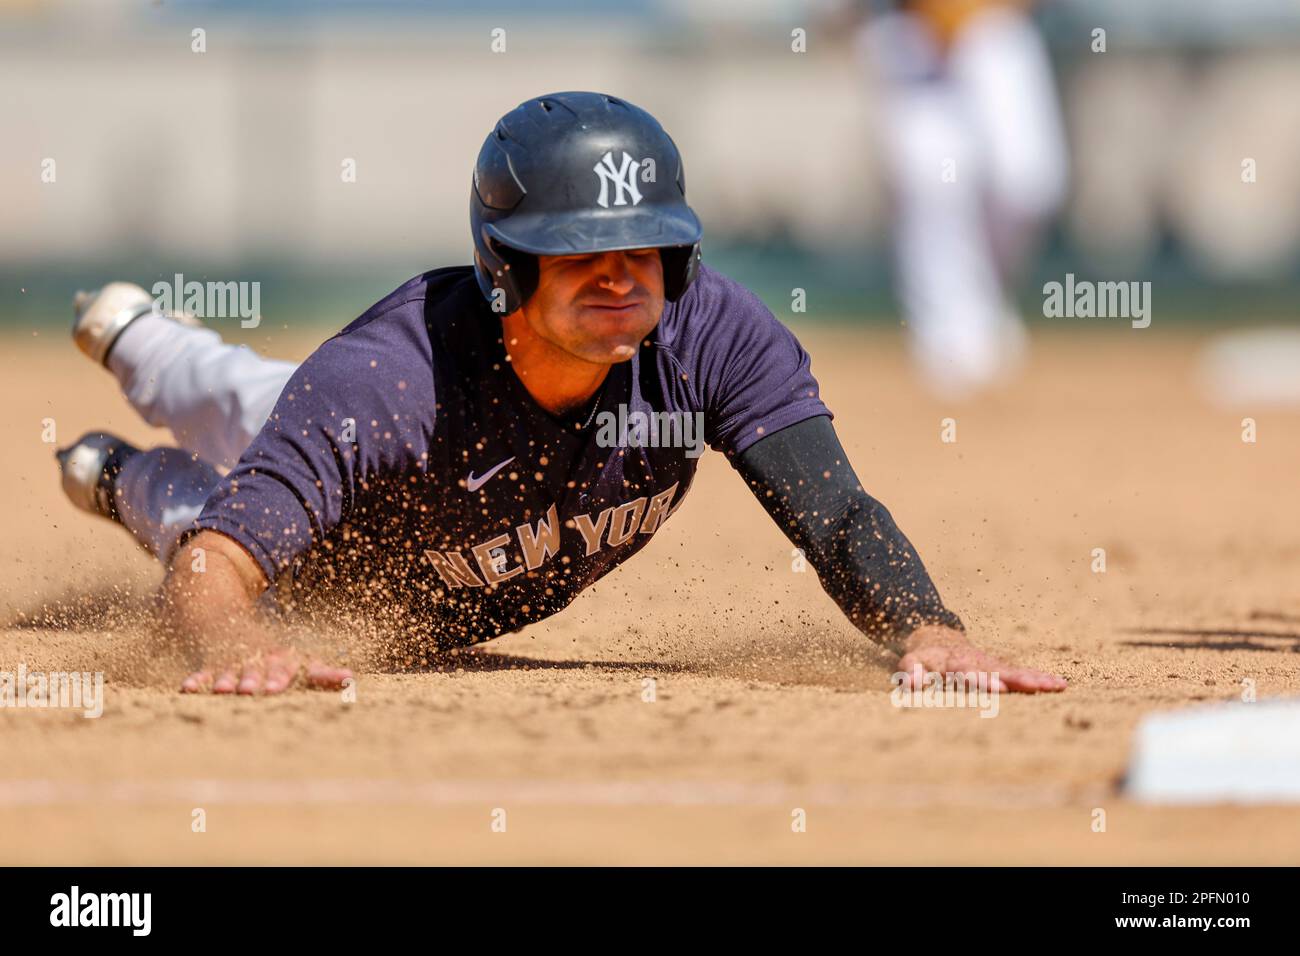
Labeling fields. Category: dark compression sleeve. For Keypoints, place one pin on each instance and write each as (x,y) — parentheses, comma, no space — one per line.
(802,476)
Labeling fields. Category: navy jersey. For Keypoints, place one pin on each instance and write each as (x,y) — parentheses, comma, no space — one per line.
(406,465)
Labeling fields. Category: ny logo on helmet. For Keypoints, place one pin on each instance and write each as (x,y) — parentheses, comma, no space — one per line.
(623,178)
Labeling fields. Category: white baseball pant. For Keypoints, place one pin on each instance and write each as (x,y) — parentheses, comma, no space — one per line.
(213,396)
(977,161)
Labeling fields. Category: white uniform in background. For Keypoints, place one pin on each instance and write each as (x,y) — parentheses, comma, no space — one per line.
(977,162)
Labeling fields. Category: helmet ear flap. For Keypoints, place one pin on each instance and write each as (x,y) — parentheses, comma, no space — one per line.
(506,276)
(681,265)
(524,267)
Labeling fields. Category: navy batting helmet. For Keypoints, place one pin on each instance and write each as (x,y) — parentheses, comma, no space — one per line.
(575,173)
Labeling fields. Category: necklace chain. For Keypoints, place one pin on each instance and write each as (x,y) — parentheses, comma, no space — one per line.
(594,405)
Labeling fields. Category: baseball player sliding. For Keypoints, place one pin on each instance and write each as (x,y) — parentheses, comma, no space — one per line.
(435,464)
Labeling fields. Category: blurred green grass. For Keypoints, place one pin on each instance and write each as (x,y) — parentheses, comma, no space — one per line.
(844,289)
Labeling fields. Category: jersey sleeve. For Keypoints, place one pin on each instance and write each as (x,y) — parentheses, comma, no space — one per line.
(357,409)
(749,372)
(803,479)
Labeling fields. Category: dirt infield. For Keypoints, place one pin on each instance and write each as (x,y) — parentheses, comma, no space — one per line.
(766,699)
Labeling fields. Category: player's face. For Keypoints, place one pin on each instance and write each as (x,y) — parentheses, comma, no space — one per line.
(598,307)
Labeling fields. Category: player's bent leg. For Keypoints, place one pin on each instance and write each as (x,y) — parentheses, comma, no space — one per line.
(155,494)
(88,468)
(179,375)
(159,493)
(214,397)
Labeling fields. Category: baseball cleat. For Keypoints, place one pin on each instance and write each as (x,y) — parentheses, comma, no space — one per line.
(89,469)
(101,317)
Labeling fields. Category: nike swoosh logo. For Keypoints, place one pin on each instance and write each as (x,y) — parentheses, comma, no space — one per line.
(474,484)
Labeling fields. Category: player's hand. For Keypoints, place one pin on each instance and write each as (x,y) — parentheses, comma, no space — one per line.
(942,650)
(270,672)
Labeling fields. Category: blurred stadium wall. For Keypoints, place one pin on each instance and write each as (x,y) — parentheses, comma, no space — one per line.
(229,163)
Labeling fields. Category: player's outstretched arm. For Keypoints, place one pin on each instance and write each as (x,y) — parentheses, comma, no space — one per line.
(803,478)
(213,614)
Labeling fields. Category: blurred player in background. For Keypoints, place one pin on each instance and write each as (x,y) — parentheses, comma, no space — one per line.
(976,160)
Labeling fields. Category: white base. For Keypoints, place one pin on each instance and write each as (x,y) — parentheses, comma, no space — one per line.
(1252,369)
(1222,753)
